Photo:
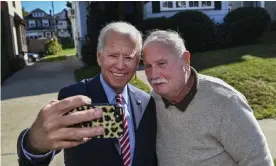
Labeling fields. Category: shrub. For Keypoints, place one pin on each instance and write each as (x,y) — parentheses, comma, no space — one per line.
(88,53)
(222,39)
(161,23)
(273,25)
(247,24)
(66,42)
(195,27)
(52,47)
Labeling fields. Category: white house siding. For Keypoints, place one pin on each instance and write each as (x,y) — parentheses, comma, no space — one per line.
(15,40)
(216,15)
(17,9)
(81,16)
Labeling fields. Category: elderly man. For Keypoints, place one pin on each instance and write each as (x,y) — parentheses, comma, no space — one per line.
(118,54)
(201,120)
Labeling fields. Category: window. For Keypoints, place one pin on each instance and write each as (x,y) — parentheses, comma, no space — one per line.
(48,34)
(38,14)
(180,4)
(206,3)
(193,4)
(167,4)
(186,5)
(31,25)
(13,4)
(45,23)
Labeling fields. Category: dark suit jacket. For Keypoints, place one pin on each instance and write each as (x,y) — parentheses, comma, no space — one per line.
(103,152)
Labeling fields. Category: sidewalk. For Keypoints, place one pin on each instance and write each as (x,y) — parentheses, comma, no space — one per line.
(268,126)
(24,94)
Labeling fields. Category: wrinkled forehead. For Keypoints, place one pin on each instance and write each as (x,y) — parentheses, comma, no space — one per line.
(157,50)
(118,43)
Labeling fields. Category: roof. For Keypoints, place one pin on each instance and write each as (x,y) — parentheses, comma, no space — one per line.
(30,16)
(60,13)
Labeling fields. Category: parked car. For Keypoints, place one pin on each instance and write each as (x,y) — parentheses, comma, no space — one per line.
(33,57)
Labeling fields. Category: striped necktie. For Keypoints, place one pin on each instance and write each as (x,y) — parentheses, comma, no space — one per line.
(124,141)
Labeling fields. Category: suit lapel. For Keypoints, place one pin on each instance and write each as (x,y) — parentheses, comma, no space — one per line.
(96,91)
(136,103)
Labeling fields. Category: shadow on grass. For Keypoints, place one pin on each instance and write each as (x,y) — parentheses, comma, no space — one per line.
(209,59)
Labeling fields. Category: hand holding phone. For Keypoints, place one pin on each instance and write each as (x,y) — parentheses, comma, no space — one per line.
(112,120)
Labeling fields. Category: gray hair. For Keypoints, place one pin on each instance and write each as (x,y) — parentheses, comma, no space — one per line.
(123,28)
(170,38)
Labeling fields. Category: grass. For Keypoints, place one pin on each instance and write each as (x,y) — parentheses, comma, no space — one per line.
(91,71)
(275,162)
(250,69)
(62,56)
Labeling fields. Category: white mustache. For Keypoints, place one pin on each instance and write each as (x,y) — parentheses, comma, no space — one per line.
(158,81)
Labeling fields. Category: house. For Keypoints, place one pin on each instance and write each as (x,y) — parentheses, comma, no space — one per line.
(40,24)
(270,6)
(216,10)
(93,14)
(78,16)
(62,25)
(13,40)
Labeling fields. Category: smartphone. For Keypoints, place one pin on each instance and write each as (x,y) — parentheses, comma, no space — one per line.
(112,120)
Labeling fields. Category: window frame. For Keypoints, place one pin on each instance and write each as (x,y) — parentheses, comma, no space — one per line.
(31,22)
(174,8)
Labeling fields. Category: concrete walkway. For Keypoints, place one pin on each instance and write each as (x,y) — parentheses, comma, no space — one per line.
(24,94)
(268,126)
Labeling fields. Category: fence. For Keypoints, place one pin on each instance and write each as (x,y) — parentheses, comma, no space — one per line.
(37,45)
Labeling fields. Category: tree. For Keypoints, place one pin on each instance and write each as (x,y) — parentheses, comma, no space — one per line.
(69,24)
(69,4)
(25,13)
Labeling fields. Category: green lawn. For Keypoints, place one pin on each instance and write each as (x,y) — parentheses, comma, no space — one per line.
(62,56)
(88,72)
(250,69)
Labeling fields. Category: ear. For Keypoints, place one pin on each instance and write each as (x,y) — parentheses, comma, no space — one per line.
(186,57)
(99,58)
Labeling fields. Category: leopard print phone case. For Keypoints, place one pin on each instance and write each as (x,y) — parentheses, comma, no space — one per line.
(112,120)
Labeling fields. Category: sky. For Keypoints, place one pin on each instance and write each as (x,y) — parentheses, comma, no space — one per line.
(44,5)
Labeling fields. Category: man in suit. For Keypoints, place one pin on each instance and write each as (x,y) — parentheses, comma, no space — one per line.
(118,54)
